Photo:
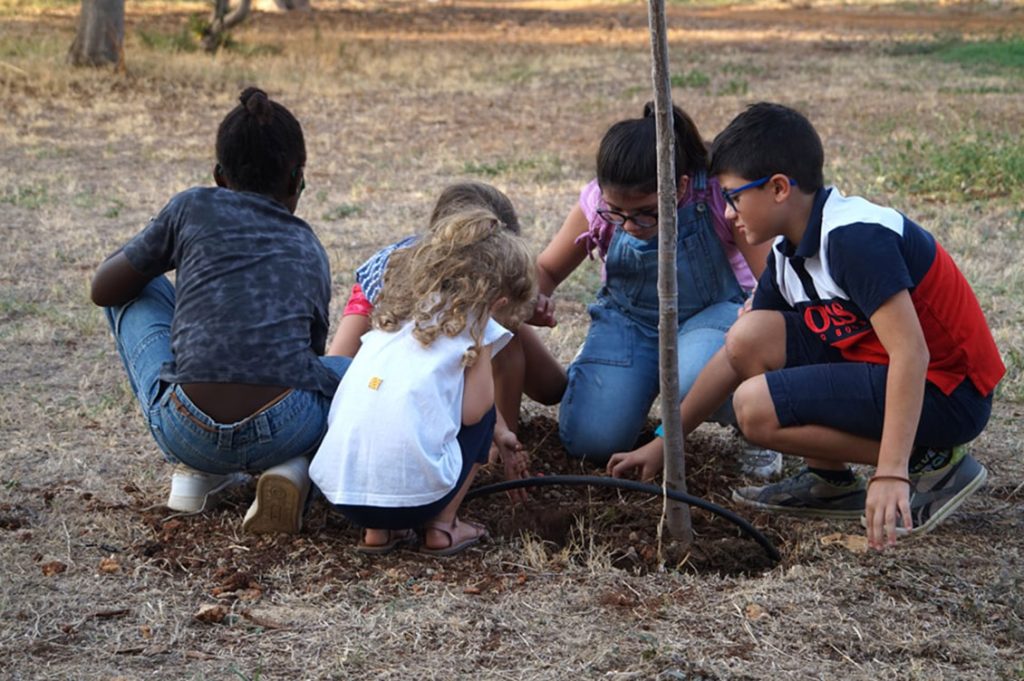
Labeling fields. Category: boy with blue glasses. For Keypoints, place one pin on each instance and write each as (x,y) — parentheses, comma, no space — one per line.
(864,344)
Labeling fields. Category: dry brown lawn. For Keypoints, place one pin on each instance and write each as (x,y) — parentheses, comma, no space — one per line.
(399,98)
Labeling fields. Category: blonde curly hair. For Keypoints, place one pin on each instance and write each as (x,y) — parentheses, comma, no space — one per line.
(451,279)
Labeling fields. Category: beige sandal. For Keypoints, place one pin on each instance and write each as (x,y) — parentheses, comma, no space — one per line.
(451,530)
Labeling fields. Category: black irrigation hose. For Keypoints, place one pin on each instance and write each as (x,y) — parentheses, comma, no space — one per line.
(632,485)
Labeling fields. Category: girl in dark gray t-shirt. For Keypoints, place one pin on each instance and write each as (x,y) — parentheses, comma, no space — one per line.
(228,363)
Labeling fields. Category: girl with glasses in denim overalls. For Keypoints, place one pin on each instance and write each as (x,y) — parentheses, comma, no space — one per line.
(612,382)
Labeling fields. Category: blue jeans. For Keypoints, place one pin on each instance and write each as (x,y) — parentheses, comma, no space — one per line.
(291,426)
(614,379)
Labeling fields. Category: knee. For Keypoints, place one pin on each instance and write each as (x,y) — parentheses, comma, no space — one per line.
(755,411)
(751,345)
(510,359)
(592,441)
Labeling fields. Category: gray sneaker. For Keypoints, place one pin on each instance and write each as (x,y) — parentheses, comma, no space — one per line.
(806,494)
(934,495)
(763,464)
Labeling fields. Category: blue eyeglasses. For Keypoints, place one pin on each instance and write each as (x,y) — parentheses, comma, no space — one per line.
(730,194)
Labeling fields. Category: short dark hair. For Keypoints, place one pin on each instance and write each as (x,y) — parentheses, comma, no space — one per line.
(767,139)
(260,145)
(627,158)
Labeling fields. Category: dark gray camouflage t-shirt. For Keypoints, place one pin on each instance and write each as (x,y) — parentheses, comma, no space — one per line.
(253,288)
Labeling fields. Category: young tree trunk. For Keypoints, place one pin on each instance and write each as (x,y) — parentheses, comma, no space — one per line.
(677,514)
(100,37)
(222,20)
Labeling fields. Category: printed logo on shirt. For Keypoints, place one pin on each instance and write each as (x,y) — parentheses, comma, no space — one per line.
(833,322)
(375,382)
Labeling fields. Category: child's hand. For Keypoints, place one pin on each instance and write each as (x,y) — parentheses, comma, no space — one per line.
(888,503)
(506,446)
(544,312)
(748,304)
(649,459)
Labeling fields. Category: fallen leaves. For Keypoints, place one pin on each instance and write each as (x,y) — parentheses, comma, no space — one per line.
(54,567)
(855,543)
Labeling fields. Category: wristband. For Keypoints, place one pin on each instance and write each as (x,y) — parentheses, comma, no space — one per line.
(898,478)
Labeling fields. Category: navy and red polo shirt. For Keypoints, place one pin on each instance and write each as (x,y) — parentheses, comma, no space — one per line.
(853,257)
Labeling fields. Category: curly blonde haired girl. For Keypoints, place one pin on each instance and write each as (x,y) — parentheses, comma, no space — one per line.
(414,418)
(452,278)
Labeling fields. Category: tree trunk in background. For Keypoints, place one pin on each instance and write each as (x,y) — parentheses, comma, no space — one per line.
(100,37)
(222,20)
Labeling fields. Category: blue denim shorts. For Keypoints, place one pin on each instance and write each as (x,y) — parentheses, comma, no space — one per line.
(819,387)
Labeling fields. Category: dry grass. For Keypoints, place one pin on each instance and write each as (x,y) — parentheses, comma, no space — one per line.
(398,99)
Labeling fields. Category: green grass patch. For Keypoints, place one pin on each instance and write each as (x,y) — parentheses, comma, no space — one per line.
(962,167)
(545,168)
(734,86)
(984,56)
(30,197)
(690,79)
(185,39)
(342,211)
(1000,54)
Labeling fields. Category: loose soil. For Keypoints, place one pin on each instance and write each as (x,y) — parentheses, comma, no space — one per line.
(399,98)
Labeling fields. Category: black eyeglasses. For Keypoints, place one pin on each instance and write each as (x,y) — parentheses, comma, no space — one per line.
(644,219)
(730,194)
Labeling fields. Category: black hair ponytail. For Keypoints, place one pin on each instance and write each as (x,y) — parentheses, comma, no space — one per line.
(628,155)
(260,145)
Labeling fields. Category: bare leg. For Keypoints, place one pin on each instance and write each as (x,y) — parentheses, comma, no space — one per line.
(435,539)
(525,366)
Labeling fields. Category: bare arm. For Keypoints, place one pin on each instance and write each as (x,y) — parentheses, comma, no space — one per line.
(116,281)
(347,339)
(478,394)
(562,255)
(899,330)
(712,388)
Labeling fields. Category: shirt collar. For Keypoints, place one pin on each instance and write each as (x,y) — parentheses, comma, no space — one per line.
(811,240)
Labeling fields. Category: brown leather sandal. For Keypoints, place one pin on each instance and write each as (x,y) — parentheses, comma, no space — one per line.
(451,530)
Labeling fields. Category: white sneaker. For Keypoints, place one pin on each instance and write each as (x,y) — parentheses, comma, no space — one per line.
(193,491)
(280,499)
(763,464)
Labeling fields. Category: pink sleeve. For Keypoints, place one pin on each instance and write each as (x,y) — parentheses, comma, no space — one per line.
(723,230)
(357,303)
(599,233)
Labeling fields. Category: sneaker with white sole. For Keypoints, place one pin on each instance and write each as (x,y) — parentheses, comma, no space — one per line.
(935,494)
(806,494)
(280,501)
(760,463)
(193,491)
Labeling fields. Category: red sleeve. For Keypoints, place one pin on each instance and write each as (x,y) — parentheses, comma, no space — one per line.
(357,303)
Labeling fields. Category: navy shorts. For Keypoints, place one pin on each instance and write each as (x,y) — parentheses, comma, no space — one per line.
(475,442)
(819,387)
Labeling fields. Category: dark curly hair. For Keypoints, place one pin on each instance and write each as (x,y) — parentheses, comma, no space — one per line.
(260,145)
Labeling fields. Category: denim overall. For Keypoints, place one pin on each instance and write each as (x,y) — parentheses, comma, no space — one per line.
(614,379)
